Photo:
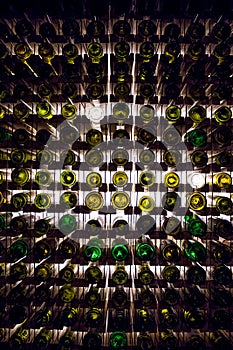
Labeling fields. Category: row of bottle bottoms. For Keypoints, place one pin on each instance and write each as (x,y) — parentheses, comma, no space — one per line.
(70,28)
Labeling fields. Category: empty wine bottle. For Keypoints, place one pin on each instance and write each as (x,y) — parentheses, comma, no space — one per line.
(224,159)
(42,317)
(47,30)
(144,321)
(221,31)
(93,318)
(221,227)
(144,341)
(194,318)
(18,271)
(120,179)
(223,204)
(170,296)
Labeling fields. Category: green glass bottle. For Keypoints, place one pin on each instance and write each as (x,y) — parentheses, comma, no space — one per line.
(194,250)
(145,249)
(93,250)
(67,224)
(196,226)
(19,249)
(118,340)
(197,138)
(120,250)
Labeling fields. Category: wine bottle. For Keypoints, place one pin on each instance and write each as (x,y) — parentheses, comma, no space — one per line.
(20,137)
(171,32)
(42,317)
(92,339)
(120,200)
(120,250)
(196,31)
(42,293)
(145,275)
(70,52)
(43,272)
(168,318)
(197,201)
(19,249)
(67,293)
(67,341)
(195,274)
(172,158)
(222,114)
(168,340)
(147,178)
(146,203)
(120,179)
(122,50)
(144,320)
(224,159)
(93,250)
(94,137)
(19,339)
(171,180)
(45,157)
(221,297)
(93,318)
(43,339)
(17,314)
(69,111)
(67,274)
(196,226)
(68,199)
(194,250)
(194,318)
(69,90)
(19,224)
(170,273)
(92,297)
(121,70)
(195,342)
(146,157)
(220,252)
(222,275)
(70,28)
(67,248)
(144,341)
(170,251)
(47,31)
(121,28)
(146,297)
(171,51)
(21,111)
(68,178)
(170,296)
(223,205)
(171,137)
(219,340)
(196,51)
(19,200)
(43,178)
(120,276)
(221,31)
(67,223)
(93,274)
(119,297)
(18,271)
(145,250)
(95,29)
(95,52)
(221,227)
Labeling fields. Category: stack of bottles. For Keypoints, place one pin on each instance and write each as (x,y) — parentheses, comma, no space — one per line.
(116,194)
